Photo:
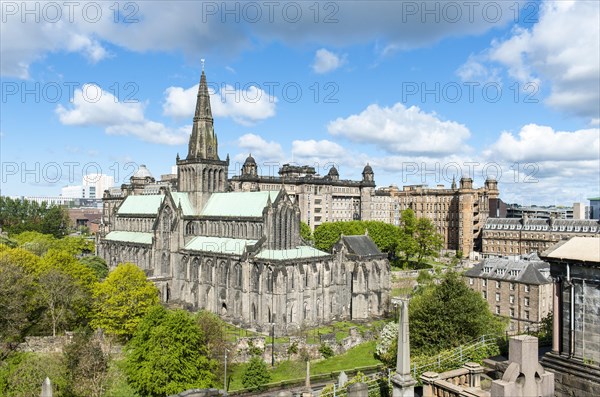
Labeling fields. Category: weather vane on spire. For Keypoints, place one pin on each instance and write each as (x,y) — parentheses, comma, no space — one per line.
(202,60)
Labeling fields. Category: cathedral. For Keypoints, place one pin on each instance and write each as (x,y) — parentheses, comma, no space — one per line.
(236,253)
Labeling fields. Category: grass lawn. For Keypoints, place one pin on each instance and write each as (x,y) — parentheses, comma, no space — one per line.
(359,356)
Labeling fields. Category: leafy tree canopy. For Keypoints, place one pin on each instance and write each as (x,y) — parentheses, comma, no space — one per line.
(168,354)
(383,234)
(87,365)
(23,375)
(305,232)
(122,300)
(39,243)
(96,264)
(30,263)
(19,308)
(449,314)
(256,374)
(17,216)
(418,238)
(215,335)
(428,241)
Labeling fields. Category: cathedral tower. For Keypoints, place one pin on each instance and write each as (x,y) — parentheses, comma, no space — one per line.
(202,172)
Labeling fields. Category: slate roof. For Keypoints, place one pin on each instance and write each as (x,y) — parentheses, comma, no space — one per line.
(238,204)
(141,205)
(130,237)
(527,270)
(592,225)
(221,245)
(361,245)
(300,252)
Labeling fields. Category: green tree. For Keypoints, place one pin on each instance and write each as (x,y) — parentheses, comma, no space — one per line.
(23,375)
(96,264)
(63,260)
(424,278)
(75,245)
(215,335)
(17,216)
(407,245)
(449,314)
(168,354)
(61,297)
(326,351)
(384,235)
(35,242)
(19,310)
(256,374)
(30,263)
(326,235)
(122,300)
(305,232)
(87,365)
(428,240)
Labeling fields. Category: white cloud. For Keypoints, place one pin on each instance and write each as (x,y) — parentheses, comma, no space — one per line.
(260,148)
(402,130)
(326,61)
(197,27)
(93,106)
(91,48)
(313,148)
(245,107)
(476,69)
(542,143)
(26,42)
(561,49)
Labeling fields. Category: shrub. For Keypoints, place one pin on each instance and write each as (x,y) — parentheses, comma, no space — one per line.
(256,374)
(326,351)
(293,349)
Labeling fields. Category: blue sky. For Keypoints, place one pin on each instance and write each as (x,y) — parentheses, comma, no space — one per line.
(420,90)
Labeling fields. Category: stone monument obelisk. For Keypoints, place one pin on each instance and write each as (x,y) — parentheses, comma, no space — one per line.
(402,380)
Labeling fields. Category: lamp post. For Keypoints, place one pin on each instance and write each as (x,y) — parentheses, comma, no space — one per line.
(273,340)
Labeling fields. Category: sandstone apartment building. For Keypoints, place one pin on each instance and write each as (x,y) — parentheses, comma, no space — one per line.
(520,289)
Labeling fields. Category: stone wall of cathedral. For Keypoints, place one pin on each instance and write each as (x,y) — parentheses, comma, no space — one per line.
(255,294)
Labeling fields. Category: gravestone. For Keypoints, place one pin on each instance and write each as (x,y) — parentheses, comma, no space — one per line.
(342,379)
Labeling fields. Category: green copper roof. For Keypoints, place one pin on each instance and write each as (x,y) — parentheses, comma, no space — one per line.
(219,245)
(186,205)
(300,252)
(141,205)
(130,237)
(250,204)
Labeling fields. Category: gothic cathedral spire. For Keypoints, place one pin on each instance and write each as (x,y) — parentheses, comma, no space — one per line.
(203,141)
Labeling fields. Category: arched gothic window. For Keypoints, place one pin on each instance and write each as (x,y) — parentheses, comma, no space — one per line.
(195,269)
(269,280)
(223,273)
(255,278)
